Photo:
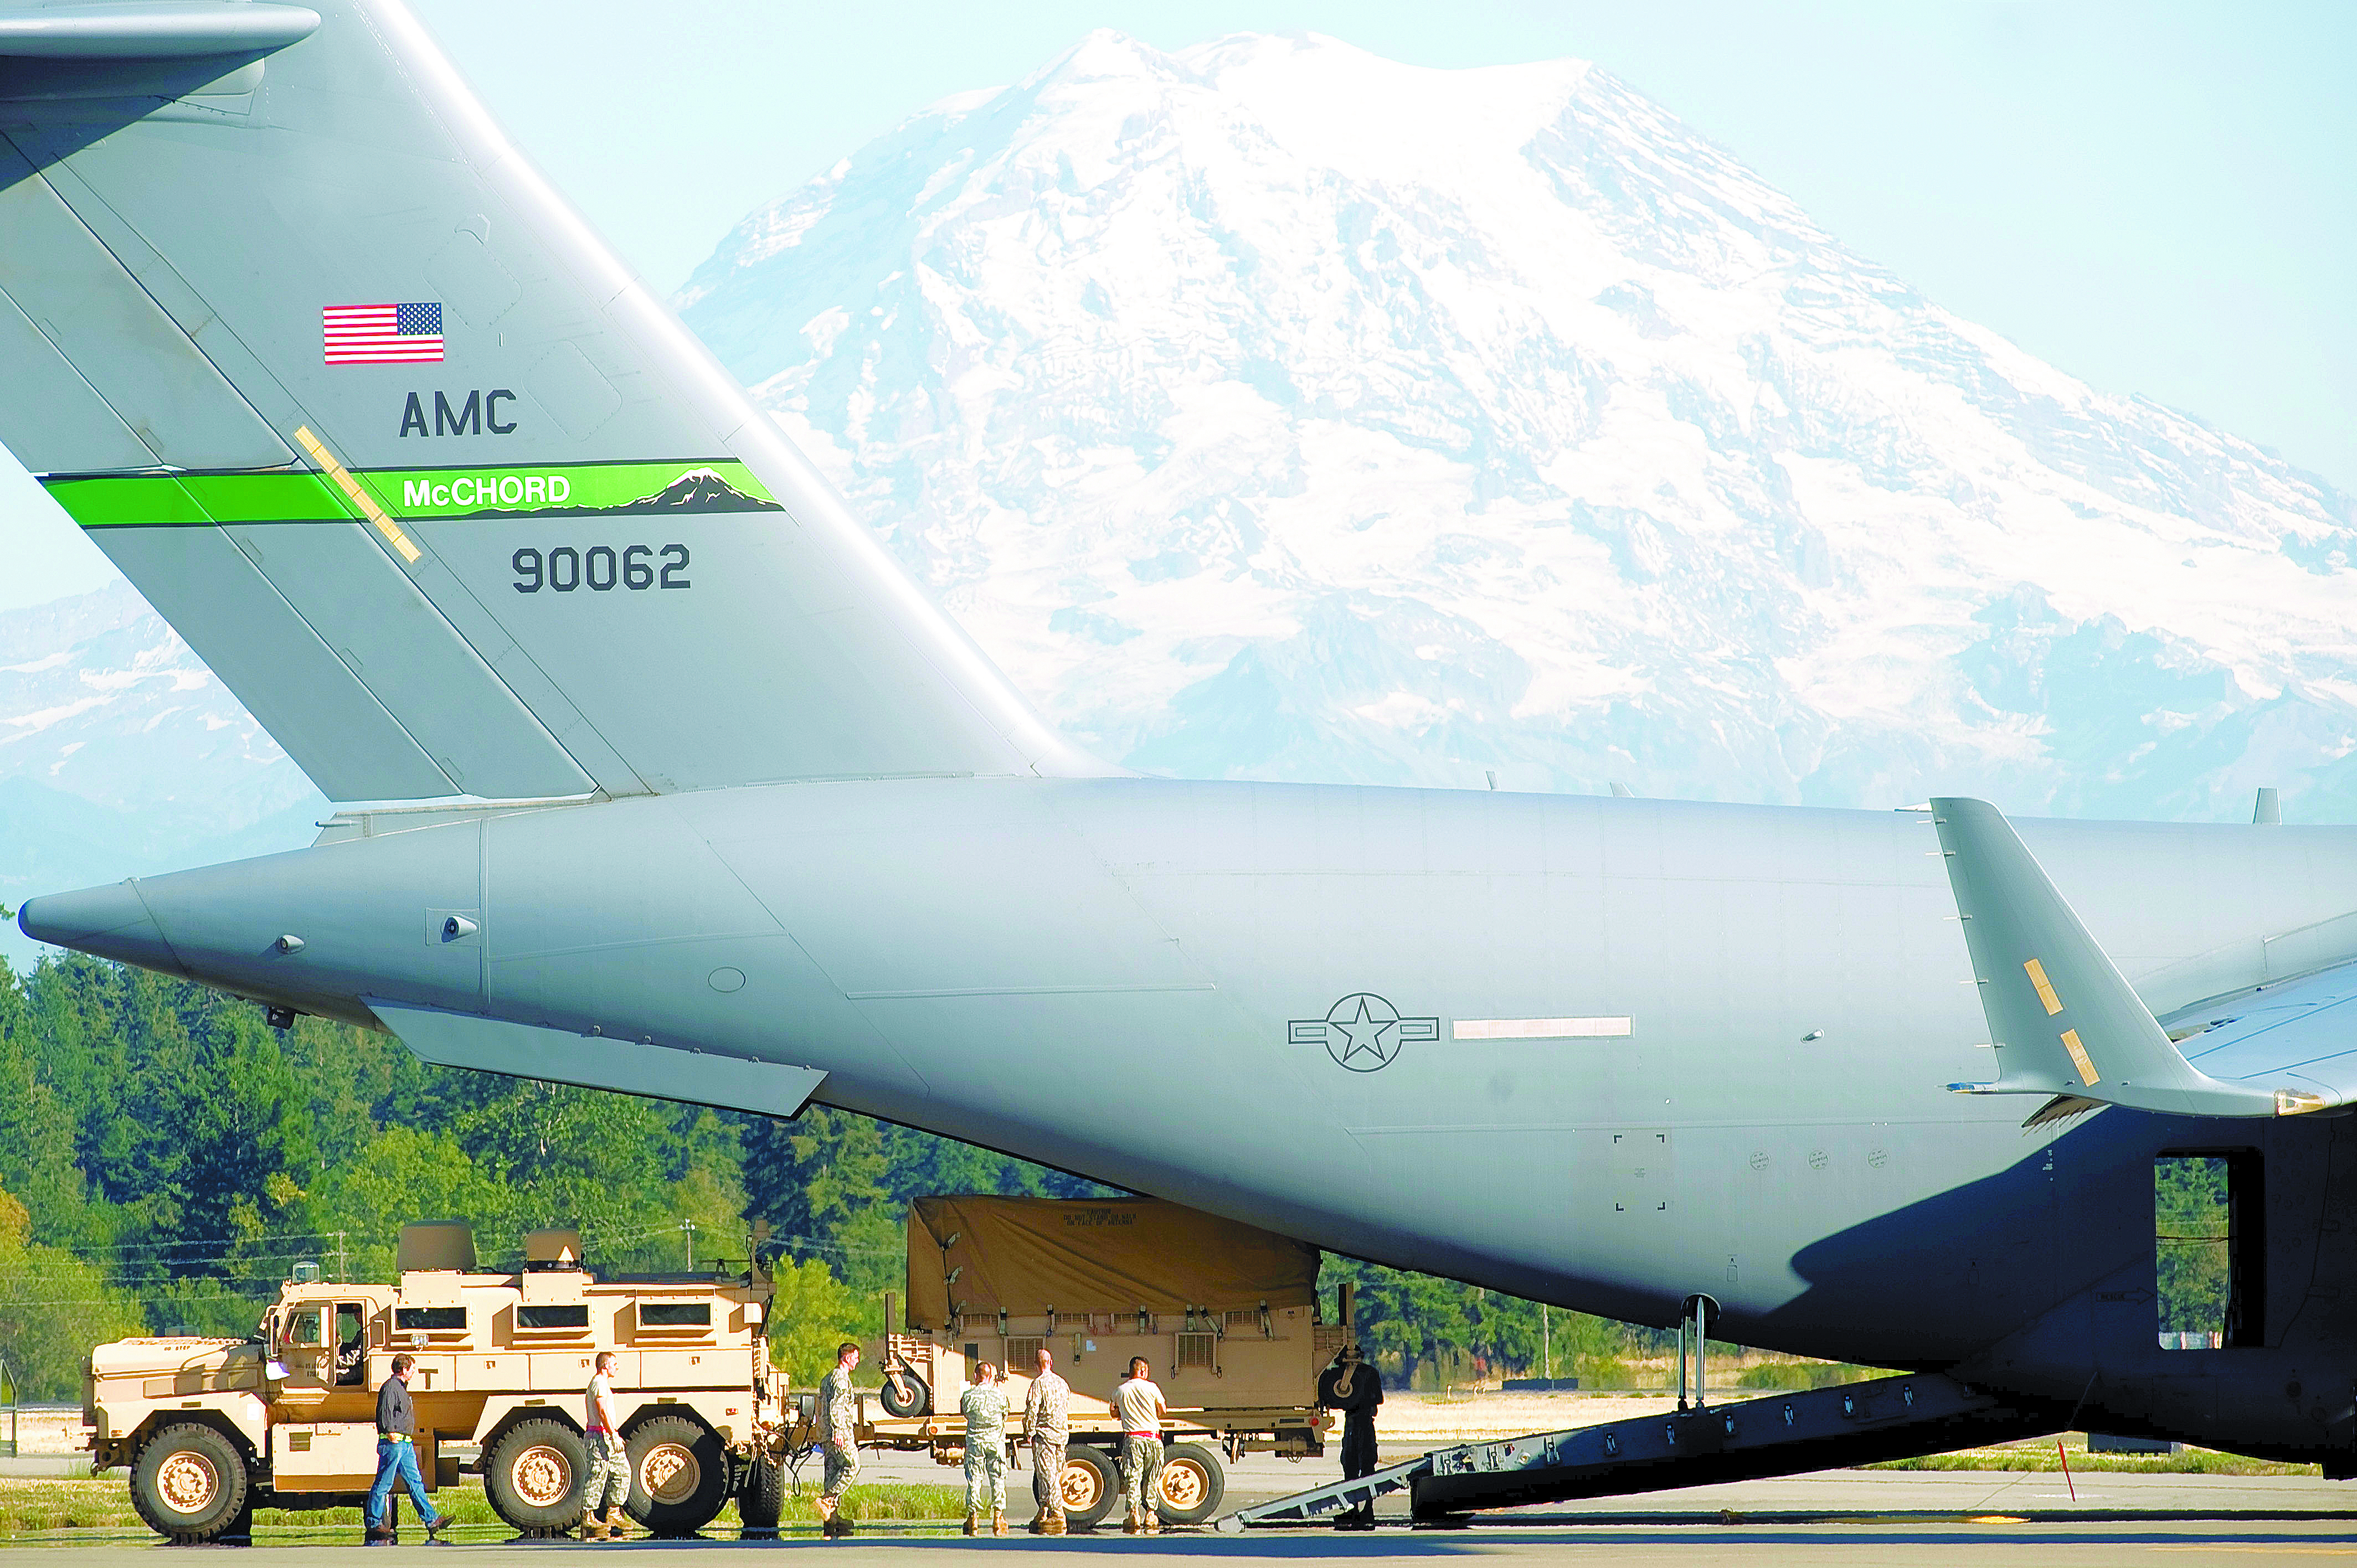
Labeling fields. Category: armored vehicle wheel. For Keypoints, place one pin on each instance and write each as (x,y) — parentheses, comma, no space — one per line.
(1194,1482)
(679,1475)
(191,1484)
(906,1394)
(761,1501)
(532,1476)
(1090,1486)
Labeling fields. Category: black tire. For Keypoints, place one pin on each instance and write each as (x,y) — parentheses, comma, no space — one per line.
(1194,1484)
(533,1476)
(906,1394)
(762,1500)
(679,1475)
(191,1484)
(1089,1498)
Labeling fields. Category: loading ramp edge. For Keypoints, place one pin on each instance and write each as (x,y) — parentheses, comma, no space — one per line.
(1780,1435)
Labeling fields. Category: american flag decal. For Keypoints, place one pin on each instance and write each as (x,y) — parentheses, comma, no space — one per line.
(382,334)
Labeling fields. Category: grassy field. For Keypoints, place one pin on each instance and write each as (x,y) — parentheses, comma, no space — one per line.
(35,1509)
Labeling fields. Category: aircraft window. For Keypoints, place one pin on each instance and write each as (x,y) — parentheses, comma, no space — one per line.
(2209,1260)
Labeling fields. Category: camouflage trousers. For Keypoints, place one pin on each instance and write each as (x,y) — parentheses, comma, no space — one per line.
(1048,1474)
(985,1476)
(842,1468)
(609,1484)
(1141,1471)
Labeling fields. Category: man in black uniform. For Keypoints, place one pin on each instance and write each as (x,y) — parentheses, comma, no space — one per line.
(1352,1387)
(397,1459)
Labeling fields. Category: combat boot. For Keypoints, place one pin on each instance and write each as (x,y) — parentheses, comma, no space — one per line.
(1055,1524)
(618,1524)
(974,1524)
(1129,1525)
(1152,1519)
(592,1526)
(998,1521)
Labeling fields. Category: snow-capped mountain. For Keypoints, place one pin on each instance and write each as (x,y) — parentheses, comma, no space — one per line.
(120,755)
(1270,409)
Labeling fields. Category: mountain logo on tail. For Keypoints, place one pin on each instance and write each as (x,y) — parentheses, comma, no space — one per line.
(582,490)
(698,490)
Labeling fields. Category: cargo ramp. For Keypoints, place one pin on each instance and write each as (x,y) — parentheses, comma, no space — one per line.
(1780,1435)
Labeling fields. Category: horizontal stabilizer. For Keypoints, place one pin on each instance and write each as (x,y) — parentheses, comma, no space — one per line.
(552,1056)
(152,30)
(2066,1021)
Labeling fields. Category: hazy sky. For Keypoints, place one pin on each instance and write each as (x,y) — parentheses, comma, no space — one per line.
(2159,199)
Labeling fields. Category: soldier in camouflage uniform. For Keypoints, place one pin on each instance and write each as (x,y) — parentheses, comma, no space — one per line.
(984,1409)
(608,1486)
(1046,1422)
(838,1426)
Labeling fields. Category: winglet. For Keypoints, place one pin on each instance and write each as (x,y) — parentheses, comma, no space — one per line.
(2066,1021)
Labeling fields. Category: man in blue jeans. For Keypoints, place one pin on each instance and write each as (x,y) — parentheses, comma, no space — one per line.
(397,1459)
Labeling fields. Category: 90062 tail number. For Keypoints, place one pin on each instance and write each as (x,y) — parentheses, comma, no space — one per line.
(600,568)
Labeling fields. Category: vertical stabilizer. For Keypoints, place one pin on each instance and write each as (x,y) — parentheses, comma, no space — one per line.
(447,497)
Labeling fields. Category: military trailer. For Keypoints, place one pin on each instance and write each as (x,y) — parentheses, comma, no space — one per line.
(1226,1314)
(211,1427)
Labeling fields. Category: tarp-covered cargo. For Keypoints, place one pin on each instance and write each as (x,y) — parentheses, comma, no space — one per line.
(1024,1255)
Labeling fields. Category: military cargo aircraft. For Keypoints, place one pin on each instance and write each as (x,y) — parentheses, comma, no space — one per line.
(664,778)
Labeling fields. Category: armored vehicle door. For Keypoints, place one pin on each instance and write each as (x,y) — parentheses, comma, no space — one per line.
(305,1352)
(351,1345)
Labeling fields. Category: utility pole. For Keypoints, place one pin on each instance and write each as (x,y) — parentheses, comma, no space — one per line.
(687,1228)
(1546,1345)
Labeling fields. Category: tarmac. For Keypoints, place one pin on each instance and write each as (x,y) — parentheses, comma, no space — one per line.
(1853,1519)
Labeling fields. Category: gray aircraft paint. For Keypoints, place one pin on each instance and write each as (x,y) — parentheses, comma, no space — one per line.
(790,831)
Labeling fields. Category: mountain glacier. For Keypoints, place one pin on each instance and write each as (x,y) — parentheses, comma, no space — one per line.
(1272,410)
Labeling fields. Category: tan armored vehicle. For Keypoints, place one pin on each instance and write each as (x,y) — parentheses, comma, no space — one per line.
(211,1427)
(1226,1314)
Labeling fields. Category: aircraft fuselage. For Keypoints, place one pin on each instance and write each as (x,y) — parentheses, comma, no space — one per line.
(1252,998)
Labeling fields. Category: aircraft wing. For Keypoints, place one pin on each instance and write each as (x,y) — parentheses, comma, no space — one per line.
(2066,1023)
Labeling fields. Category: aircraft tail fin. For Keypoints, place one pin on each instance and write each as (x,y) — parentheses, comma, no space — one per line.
(2066,1020)
(438,487)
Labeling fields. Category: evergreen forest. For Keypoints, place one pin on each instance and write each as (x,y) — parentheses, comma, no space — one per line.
(167,1158)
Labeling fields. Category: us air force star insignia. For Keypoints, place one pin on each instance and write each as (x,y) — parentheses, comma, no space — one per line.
(1363,1032)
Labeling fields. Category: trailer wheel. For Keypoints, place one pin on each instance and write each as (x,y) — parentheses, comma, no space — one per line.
(533,1474)
(1089,1487)
(1194,1483)
(906,1394)
(191,1484)
(679,1475)
(761,1502)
